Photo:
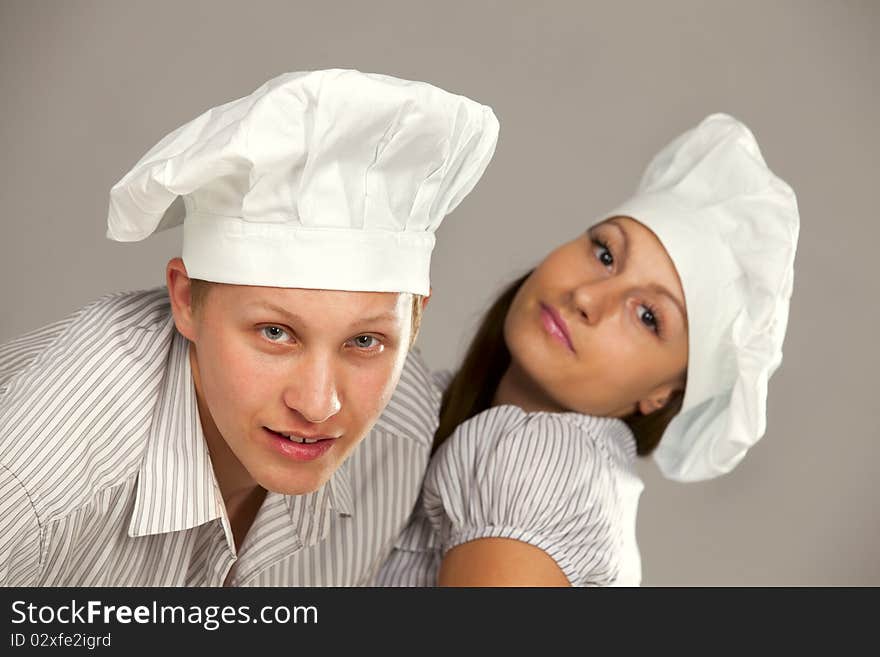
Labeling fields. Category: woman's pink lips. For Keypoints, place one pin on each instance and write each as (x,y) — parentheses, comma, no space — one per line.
(555,326)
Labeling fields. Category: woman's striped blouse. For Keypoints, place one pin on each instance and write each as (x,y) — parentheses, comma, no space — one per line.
(563,482)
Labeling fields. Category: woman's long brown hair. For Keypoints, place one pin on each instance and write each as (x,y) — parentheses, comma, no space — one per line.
(473,387)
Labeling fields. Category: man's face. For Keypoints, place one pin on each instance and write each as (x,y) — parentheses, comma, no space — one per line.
(269,362)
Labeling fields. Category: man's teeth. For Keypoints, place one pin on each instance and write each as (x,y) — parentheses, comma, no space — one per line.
(297,439)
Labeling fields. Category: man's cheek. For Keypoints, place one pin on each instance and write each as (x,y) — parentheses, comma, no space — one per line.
(387,392)
(373,391)
(236,391)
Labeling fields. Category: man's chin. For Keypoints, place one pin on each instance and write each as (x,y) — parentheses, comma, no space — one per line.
(292,484)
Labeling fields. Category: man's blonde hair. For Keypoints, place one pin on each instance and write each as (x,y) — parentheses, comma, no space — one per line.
(199,292)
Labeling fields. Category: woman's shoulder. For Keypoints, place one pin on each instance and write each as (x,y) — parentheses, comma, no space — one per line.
(504,445)
(509,424)
(548,479)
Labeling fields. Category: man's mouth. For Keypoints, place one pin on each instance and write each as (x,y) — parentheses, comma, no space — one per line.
(302,440)
(299,446)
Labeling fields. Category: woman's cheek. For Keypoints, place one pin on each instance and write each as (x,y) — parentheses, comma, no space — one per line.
(524,344)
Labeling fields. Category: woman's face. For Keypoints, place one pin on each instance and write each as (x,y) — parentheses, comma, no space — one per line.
(600,327)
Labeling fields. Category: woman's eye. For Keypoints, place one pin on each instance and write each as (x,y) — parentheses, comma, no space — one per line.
(649,319)
(274,333)
(366,342)
(603,253)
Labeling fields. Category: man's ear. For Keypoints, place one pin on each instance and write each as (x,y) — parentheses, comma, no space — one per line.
(180,294)
(426,297)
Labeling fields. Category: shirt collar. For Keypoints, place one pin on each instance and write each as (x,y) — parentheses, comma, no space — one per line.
(176,488)
(286,524)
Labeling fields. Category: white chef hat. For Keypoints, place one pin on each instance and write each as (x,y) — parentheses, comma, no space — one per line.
(330,179)
(731,227)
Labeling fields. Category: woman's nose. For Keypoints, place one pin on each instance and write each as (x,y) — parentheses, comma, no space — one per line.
(313,391)
(593,299)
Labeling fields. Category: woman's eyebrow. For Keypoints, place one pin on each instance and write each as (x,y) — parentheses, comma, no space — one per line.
(662,290)
(659,288)
(614,223)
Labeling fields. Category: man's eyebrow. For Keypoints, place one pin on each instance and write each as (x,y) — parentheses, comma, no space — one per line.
(389,316)
(659,288)
(294,318)
(266,305)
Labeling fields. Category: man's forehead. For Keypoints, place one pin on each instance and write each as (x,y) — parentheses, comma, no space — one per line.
(344,305)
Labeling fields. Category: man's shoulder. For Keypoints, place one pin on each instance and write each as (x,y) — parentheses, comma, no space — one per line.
(119,310)
(127,310)
(98,327)
(132,309)
(74,421)
(114,327)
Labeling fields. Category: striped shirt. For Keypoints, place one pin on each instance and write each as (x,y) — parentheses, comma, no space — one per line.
(105,476)
(563,482)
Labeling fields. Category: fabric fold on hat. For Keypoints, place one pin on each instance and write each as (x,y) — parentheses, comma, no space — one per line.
(730,226)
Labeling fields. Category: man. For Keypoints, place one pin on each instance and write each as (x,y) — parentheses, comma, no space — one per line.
(213,433)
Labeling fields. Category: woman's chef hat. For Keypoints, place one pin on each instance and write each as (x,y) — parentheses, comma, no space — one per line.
(329,179)
(731,228)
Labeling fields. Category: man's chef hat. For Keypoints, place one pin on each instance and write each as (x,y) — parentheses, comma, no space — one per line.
(329,179)
(731,228)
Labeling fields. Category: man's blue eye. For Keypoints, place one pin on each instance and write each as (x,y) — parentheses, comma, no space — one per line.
(274,333)
(365,341)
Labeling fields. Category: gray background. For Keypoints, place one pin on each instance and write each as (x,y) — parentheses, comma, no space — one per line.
(586,93)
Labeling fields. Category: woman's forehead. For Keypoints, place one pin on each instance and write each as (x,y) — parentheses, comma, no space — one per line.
(645,250)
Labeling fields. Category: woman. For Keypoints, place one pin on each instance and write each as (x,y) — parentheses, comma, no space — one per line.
(655,332)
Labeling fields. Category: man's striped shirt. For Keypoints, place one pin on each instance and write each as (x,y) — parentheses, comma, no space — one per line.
(105,477)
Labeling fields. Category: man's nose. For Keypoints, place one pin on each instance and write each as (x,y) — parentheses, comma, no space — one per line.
(312,391)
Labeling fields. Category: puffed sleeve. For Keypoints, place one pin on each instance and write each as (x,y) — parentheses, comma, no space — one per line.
(536,478)
(19,534)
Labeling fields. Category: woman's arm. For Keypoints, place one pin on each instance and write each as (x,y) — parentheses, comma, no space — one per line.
(499,562)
